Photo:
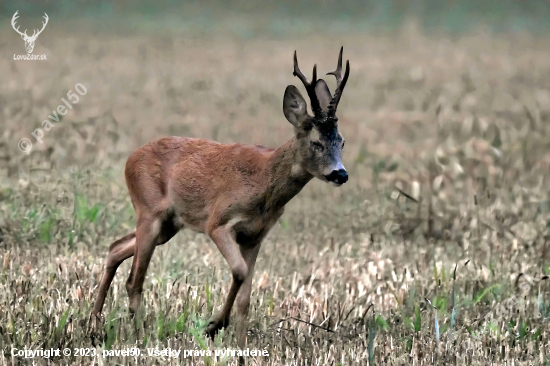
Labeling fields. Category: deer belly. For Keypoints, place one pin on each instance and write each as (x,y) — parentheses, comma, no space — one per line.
(250,233)
(247,238)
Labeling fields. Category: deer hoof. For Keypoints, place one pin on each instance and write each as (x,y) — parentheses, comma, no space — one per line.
(214,326)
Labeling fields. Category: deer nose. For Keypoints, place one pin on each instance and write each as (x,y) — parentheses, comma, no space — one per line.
(339,176)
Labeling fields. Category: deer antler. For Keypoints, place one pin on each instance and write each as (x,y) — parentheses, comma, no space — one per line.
(341,80)
(15,16)
(310,87)
(43,26)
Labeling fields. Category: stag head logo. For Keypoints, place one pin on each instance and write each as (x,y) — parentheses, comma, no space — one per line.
(29,40)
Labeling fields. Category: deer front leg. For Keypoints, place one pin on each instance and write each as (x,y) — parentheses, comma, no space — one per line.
(224,239)
(243,298)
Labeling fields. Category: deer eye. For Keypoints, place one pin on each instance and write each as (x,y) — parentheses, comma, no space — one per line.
(343,143)
(318,146)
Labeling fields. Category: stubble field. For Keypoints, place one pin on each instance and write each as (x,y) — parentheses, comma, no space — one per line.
(448,152)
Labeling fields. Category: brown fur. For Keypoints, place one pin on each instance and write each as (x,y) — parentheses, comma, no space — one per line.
(233,193)
(202,184)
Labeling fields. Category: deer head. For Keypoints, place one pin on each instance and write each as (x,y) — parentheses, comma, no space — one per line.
(320,143)
(29,40)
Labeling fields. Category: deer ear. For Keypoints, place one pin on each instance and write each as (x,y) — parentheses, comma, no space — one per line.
(323,94)
(294,106)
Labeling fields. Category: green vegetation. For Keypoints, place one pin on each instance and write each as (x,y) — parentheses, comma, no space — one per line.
(447,147)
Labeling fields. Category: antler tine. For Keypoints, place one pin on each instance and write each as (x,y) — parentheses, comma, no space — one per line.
(43,24)
(13,19)
(340,81)
(338,72)
(310,86)
(297,72)
(314,77)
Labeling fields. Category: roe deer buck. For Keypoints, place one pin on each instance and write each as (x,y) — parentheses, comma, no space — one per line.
(233,193)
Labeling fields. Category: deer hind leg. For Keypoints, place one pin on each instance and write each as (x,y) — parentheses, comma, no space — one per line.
(149,233)
(230,250)
(119,251)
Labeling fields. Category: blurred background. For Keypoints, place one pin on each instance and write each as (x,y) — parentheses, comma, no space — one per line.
(446,119)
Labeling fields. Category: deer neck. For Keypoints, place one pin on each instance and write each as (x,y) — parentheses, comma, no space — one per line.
(285,174)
